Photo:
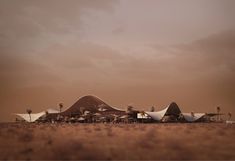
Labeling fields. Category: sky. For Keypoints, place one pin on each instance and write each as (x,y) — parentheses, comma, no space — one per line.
(126,52)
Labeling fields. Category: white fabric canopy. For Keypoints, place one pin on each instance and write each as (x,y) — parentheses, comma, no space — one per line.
(34,116)
(192,118)
(158,115)
(51,110)
(187,116)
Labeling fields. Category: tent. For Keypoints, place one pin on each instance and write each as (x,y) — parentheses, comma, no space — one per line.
(171,109)
(174,110)
(36,116)
(192,118)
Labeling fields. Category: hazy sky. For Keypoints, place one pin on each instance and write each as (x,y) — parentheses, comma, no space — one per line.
(135,52)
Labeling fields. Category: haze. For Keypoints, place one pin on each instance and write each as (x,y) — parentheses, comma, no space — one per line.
(143,53)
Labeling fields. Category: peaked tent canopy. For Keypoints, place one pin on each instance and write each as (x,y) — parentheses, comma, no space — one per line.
(89,103)
(36,116)
(171,109)
(192,118)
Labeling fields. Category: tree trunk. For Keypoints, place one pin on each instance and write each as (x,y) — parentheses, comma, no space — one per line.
(29,118)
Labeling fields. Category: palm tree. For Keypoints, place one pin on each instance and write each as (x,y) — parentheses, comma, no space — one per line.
(218,113)
(229,116)
(46,115)
(82,110)
(61,106)
(142,113)
(152,109)
(129,108)
(130,112)
(192,114)
(29,111)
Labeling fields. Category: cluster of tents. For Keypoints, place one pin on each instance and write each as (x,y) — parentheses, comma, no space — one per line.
(93,109)
(172,113)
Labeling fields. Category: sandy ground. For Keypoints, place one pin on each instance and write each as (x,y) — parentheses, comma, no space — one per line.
(117,141)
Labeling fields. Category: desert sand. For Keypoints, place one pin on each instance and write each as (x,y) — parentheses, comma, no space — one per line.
(33,141)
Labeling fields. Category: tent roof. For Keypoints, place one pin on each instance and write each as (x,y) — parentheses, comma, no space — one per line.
(191,118)
(157,115)
(34,116)
(171,109)
(51,110)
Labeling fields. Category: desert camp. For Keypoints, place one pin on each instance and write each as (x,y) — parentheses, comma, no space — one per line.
(91,109)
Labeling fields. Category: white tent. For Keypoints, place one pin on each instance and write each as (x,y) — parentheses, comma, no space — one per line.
(51,110)
(174,109)
(192,118)
(170,109)
(157,115)
(36,116)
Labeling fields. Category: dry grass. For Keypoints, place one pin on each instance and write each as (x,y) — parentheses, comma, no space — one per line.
(117,141)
